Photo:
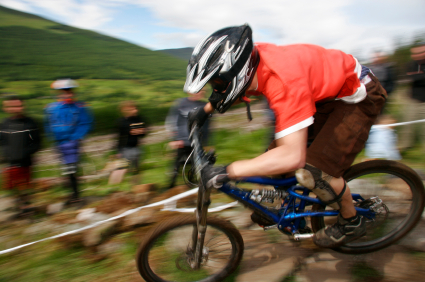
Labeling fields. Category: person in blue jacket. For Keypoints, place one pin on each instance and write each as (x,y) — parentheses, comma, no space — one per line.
(68,121)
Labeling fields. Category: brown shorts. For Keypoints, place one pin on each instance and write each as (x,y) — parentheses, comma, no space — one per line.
(340,130)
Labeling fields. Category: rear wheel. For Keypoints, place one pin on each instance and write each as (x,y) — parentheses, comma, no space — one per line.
(165,253)
(393,191)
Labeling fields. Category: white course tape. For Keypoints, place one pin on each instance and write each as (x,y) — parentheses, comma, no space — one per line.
(398,124)
(216,209)
(169,200)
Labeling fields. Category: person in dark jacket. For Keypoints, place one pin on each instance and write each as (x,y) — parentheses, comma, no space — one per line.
(131,127)
(68,121)
(384,71)
(19,139)
(415,106)
(176,124)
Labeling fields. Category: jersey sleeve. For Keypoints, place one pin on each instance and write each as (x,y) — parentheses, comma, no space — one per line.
(292,104)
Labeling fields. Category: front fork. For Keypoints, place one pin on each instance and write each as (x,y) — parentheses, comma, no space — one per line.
(199,230)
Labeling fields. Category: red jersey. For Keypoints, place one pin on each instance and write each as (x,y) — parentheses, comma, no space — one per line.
(294,77)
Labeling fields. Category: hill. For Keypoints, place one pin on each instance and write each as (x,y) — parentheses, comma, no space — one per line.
(34,48)
(181,53)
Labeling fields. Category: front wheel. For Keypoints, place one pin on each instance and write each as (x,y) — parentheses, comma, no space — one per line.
(165,253)
(396,195)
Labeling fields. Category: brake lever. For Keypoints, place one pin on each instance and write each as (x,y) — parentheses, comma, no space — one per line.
(211,157)
(192,131)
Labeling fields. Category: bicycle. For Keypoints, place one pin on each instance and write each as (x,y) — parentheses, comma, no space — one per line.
(196,247)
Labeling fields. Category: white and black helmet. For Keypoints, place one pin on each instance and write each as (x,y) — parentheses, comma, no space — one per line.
(63,84)
(227,59)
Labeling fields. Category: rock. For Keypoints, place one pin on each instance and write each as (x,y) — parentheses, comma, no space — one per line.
(96,217)
(109,248)
(143,188)
(116,202)
(189,200)
(143,198)
(6,216)
(65,217)
(7,203)
(55,208)
(85,214)
(241,219)
(87,217)
(71,240)
(119,212)
(170,193)
(45,183)
(143,192)
(142,217)
(97,235)
(39,228)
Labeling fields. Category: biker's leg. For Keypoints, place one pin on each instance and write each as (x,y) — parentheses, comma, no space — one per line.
(347,209)
(339,139)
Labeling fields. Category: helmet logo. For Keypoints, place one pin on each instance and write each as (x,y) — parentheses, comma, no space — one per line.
(212,48)
(226,47)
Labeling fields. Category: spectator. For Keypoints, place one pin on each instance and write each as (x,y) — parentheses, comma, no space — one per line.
(382,141)
(131,127)
(384,71)
(415,106)
(176,123)
(68,121)
(19,139)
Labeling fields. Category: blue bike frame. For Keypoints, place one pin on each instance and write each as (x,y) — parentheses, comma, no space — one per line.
(291,212)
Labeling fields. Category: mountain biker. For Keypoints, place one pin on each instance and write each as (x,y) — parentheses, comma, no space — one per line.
(68,121)
(316,94)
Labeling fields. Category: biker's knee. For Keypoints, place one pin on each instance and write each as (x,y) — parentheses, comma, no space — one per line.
(319,183)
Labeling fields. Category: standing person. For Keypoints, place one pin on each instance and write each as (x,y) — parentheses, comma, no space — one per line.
(384,71)
(317,94)
(176,123)
(131,127)
(19,139)
(382,141)
(415,106)
(68,121)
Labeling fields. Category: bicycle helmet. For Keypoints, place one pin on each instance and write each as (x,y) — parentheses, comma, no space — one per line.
(227,59)
(62,84)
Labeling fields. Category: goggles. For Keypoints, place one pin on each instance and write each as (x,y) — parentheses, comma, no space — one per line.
(219,85)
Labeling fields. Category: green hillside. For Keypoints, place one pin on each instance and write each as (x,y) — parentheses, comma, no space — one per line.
(181,53)
(33,48)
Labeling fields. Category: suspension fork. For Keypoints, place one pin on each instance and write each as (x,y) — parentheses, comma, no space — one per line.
(199,230)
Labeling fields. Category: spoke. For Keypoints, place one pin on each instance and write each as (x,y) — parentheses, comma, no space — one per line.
(215,252)
(217,259)
(218,245)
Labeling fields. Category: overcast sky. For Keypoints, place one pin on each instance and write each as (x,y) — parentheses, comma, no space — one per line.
(356,26)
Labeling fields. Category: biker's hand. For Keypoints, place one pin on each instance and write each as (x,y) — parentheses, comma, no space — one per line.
(196,116)
(214,177)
